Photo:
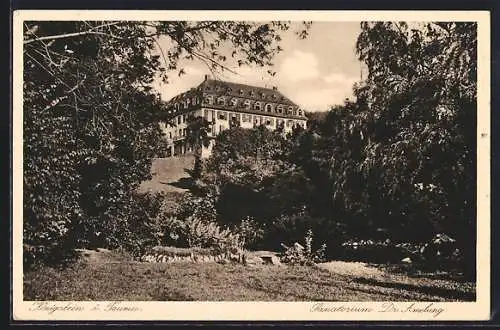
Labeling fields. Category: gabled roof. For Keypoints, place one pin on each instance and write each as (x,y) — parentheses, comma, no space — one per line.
(227,88)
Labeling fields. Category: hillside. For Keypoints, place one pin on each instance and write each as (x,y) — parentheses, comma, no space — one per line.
(170,176)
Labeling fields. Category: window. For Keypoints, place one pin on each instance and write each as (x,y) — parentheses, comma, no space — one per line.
(222,115)
(235,119)
(241,92)
(263,95)
(184,132)
(269,121)
(290,109)
(184,118)
(169,135)
(252,93)
(247,104)
(257,106)
(295,112)
(179,120)
(209,115)
(221,100)
(234,102)
(244,118)
(279,109)
(257,120)
(209,99)
(269,108)
(289,123)
(180,133)
(300,112)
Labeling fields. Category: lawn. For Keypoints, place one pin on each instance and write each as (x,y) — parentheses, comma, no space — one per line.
(124,279)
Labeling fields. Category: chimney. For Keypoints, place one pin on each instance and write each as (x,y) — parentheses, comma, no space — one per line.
(206,77)
(275,88)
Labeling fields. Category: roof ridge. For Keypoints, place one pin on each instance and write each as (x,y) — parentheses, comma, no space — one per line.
(247,86)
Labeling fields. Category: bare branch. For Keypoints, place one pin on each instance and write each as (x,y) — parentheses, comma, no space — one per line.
(75,34)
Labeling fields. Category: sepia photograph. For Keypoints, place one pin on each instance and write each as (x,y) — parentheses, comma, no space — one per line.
(258,159)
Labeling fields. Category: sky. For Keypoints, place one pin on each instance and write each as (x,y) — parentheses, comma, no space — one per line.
(315,73)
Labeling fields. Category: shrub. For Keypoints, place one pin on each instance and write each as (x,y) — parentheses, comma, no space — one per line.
(249,231)
(303,255)
(441,251)
(198,207)
(194,232)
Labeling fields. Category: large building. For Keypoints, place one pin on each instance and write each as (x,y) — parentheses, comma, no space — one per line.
(226,103)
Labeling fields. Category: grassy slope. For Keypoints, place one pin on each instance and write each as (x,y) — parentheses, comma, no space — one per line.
(122,279)
(170,176)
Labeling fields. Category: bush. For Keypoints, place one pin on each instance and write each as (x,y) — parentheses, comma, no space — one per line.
(439,252)
(198,207)
(249,232)
(303,255)
(196,233)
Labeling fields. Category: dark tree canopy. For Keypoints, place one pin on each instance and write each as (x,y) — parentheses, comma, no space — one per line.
(91,120)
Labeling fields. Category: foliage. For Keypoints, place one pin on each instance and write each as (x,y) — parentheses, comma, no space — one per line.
(196,233)
(91,120)
(439,252)
(198,129)
(303,255)
(249,231)
(401,156)
(203,207)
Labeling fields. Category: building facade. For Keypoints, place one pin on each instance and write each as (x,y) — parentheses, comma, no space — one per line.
(224,103)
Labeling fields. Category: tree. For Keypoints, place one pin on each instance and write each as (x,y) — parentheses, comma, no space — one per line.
(91,120)
(402,155)
(198,137)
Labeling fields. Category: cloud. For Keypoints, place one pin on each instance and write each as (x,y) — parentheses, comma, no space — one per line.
(192,77)
(193,71)
(300,66)
(321,99)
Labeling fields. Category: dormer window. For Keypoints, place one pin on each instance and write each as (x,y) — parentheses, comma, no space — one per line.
(209,99)
(221,100)
(290,110)
(269,108)
(279,108)
(257,106)
(274,96)
(247,104)
(263,95)
(300,112)
(241,92)
(252,93)
(234,102)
